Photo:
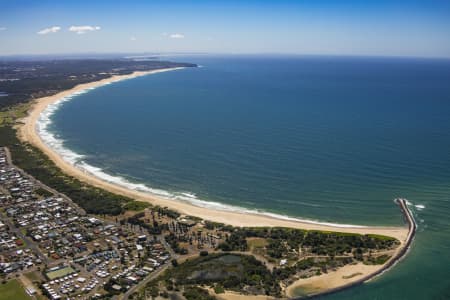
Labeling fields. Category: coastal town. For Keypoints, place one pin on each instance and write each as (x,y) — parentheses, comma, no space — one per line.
(66,235)
(224,150)
(59,251)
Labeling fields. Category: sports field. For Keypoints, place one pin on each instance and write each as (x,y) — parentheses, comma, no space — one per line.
(13,290)
(60,273)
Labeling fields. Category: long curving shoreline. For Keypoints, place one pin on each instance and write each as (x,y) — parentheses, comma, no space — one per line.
(27,132)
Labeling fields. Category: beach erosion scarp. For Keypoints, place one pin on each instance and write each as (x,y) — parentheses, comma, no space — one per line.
(28,132)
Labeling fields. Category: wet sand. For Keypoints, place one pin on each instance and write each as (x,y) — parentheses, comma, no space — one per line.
(27,132)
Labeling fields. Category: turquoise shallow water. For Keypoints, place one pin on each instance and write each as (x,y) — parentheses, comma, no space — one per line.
(323,138)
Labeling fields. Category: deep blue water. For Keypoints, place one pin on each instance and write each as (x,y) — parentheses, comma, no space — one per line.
(325,138)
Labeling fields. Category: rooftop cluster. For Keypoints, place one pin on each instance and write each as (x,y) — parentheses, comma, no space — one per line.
(71,253)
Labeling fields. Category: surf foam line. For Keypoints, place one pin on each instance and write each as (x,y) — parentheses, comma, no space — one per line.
(43,129)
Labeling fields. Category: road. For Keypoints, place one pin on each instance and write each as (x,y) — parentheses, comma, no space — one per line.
(145,281)
(153,275)
(29,244)
(12,228)
(40,184)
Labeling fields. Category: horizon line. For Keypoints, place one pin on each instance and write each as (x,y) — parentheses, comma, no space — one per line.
(185,53)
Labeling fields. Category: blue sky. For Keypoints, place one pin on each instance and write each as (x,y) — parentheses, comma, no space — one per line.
(358,27)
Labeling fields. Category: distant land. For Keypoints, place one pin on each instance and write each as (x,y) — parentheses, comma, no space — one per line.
(259,257)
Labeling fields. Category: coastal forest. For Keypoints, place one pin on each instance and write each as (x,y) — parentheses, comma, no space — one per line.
(215,257)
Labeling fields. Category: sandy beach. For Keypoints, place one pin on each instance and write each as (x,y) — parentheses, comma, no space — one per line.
(28,133)
(342,276)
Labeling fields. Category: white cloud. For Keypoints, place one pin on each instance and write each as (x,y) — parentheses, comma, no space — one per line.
(133,38)
(48,30)
(2,28)
(176,36)
(83,29)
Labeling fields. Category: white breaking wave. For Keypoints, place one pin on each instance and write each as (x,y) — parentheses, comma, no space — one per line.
(77,160)
(419,206)
(118,180)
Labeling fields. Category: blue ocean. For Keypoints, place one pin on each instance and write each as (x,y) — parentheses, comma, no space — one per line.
(332,139)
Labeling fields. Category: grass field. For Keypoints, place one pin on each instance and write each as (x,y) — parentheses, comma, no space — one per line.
(12,290)
(256,243)
(60,273)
